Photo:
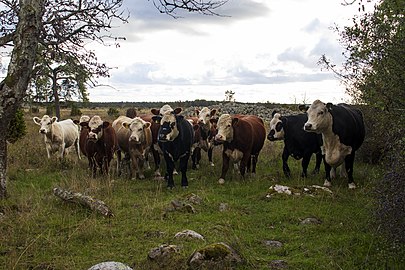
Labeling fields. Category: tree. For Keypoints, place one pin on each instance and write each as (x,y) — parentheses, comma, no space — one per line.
(229,95)
(60,28)
(374,74)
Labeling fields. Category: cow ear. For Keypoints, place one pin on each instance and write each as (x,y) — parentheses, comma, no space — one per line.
(125,124)
(214,120)
(157,118)
(213,112)
(106,124)
(155,111)
(235,121)
(329,106)
(273,113)
(177,110)
(147,125)
(76,121)
(303,107)
(197,111)
(54,119)
(37,120)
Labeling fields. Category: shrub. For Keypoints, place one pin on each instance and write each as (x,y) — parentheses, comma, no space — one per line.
(113,112)
(131,113)
(50,110)
(75,111)
(16,129)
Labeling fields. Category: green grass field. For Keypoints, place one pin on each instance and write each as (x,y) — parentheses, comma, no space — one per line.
(40,231)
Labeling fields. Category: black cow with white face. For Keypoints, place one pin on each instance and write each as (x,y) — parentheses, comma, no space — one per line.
(343,132)
(297,143)
(175,138)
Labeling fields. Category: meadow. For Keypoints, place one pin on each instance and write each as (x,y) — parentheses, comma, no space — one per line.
(40,231)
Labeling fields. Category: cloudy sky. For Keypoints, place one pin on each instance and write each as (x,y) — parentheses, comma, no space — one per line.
(263,50)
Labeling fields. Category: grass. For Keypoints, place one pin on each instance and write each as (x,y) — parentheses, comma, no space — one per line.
(39,231)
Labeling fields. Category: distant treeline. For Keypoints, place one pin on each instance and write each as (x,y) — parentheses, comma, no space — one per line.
(184,104)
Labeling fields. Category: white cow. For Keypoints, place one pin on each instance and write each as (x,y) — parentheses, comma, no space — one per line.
(58,135)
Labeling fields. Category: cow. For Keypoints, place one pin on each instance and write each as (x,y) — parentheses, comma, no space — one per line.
(343,132)
(200,142)
(297,143)
(58,135)
(243,138)
(208,130)
(83,133)
(175,138)
(100,145)
(134,137)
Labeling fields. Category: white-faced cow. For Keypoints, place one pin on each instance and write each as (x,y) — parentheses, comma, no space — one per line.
(100,145)
(343,132)
(297,143)
(175,138)
(134,138)
(58,135)
(208,131)
(242,137)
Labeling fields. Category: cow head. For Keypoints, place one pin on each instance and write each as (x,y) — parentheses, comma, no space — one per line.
(168,130)
(96,126)
(204,117)
(276,128)
(225,128)
(319,117)
(137,128)
(45,123)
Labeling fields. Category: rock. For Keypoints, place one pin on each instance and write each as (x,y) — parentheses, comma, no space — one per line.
(223,207)
(311,220)
(189,234)
(110,266)
(194,199)
(278,264)
(217,256)
(162,252)
(273,243)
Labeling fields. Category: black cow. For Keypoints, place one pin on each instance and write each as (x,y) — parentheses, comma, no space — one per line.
(297,143)
(343,132)
(175,138)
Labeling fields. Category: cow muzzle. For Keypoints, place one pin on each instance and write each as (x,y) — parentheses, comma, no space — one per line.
(308,127)
(42,131)
(219,139)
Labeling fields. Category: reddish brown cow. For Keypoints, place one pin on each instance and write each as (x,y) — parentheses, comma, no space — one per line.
(154,149)
(100,145)
(242,138)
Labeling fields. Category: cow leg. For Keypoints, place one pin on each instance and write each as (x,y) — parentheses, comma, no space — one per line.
(328,168)
(141,166)
(349,161)
(77,148)
(243,163)
(254,163)
(134,168)
(209,152)
(183,170)
(48,150)
(286,169)
(169,171)
(62,150)
(304,164)
(119,165)
(225,166)
(195,158)
(156,159)
(318,160)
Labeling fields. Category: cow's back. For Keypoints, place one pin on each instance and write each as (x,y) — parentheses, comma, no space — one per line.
(249,133)
(121,132)
(69,130)
(348,125)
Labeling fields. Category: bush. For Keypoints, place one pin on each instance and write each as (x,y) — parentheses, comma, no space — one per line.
(50,109)
(113,112)
(131,113)
(16,129)
(34,110)
(75,111)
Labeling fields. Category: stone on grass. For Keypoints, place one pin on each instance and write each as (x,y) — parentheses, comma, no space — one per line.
(273,243)
(311,220)
(216,256)
(223,207)
(162,252)
(110,266)
(278,264)
(189,234)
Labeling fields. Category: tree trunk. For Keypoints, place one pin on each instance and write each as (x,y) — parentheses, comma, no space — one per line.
(14,87)
(55,92)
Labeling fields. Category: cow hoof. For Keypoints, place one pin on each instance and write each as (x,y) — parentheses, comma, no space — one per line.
(352,185)
(184,187)
(212,164)
(157,173)
(327,183)
(142,177)
(221,181)
(170,187)
(175,172)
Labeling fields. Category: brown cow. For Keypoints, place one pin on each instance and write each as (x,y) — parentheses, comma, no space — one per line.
(208,129)
(135,138)
(242,138)
(101,144)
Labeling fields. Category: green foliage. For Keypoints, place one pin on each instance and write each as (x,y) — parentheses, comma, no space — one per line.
(113,112)
(75,111)
(50,110)
(16,129)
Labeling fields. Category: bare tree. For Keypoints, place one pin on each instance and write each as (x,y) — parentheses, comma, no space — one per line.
(61,28)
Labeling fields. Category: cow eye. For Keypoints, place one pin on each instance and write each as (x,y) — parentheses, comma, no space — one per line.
(140,129)
(49,123)
(173,124)
(320,113)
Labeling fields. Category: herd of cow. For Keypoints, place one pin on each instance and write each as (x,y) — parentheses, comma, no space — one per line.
(332,132)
